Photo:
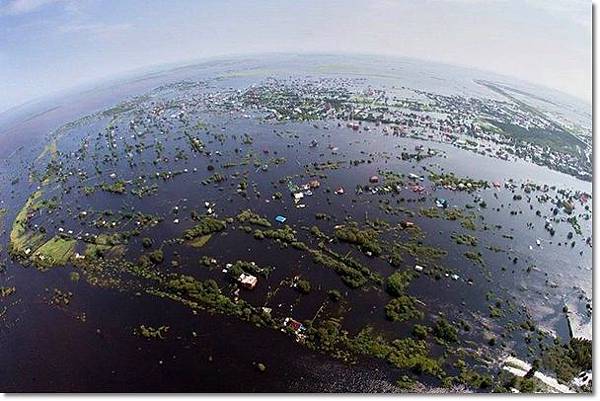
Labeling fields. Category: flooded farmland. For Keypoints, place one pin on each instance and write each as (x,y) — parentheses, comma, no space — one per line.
(230,225)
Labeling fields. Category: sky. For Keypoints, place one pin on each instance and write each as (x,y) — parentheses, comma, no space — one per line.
(47,46)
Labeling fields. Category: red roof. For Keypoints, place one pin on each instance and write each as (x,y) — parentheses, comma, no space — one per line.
(295,325)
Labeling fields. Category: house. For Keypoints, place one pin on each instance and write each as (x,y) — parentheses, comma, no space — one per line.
(418,189)
(313,184)
(294,325)
(297,327)
(248,281)
(280,219)
(374,179)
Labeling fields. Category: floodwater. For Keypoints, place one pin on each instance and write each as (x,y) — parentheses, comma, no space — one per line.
(52,349)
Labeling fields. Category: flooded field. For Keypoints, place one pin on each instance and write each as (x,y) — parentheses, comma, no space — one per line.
(297,224)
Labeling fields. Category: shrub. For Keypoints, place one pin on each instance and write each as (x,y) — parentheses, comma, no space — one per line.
(398,282)
(403,308)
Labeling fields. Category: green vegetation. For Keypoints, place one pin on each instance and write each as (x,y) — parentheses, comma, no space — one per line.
(366,238)
(303,286)
(407,353)
(337,243)
(460,183)
(7,291)
(156,256)
(560,141)
(242,266)
(195,143)
(248,216)
(467,220)
(464,239)
(150,332)
(21,238)
(104,246)
(392,178)
(207,225)
(118,187)
(396,258)
(334,295)
(207,295)
(472,378)
(200,241)
(444,332)
(398,282)
(418,250)
(575,224)
(60,298)
(55,252)
(432,212)
(476,257)
(567,360)
(285,235)
(420,332)
(315,231)
(352,273)
(403,308)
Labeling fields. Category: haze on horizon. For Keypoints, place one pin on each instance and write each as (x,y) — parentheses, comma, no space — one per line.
(48,46)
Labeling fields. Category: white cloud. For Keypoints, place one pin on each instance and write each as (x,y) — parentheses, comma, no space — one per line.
(577,11)
(17,7)
(96,28)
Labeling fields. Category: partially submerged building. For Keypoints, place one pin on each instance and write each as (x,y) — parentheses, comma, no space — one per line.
(248,281)
(296,327)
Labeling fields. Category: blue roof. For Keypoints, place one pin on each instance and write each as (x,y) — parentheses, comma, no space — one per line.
(280,219)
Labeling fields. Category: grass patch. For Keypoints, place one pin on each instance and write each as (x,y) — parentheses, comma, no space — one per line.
(200,241)
(55,252)
(20,237)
